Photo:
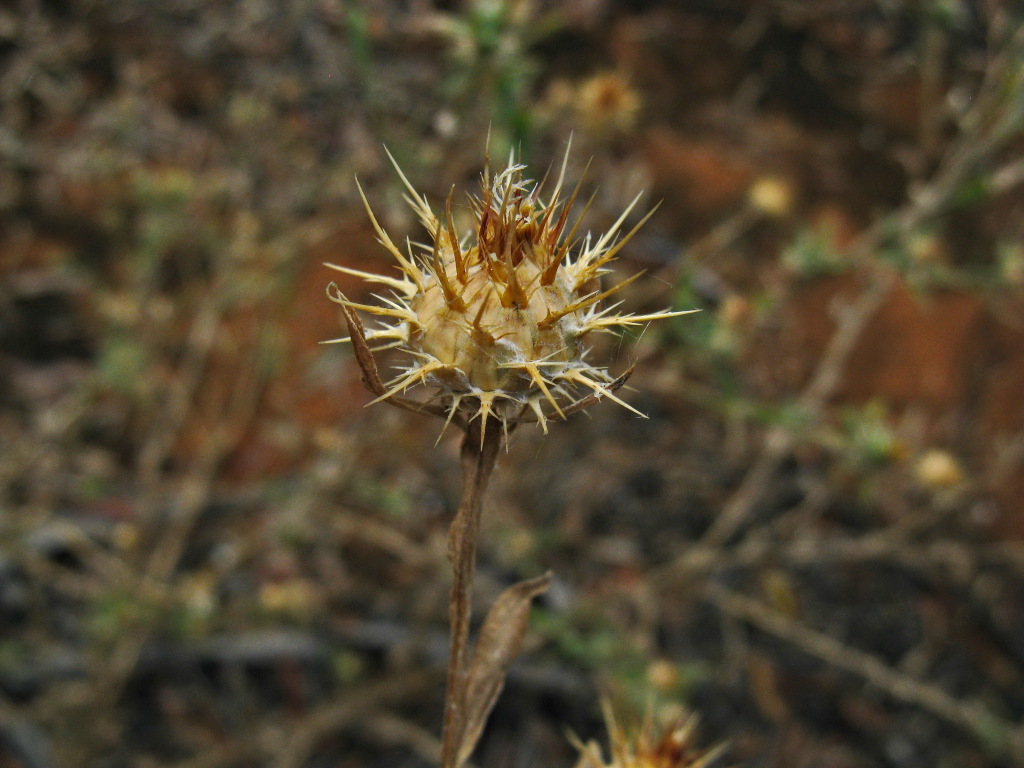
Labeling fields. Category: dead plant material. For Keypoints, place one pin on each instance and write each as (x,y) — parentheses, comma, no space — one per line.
(493,321)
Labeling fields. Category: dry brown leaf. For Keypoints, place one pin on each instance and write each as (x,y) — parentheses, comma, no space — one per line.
(500,639)
(363,355)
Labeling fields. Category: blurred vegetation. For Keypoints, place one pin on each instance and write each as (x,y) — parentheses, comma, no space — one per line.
(212,555)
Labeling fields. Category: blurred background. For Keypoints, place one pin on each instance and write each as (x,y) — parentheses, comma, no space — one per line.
(212,555)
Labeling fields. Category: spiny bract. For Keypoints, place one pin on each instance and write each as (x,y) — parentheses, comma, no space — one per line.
(495,319)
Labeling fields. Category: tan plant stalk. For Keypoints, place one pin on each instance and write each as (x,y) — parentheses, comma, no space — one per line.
(478,457)
(493,322)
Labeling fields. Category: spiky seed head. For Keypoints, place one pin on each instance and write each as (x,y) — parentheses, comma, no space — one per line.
(649,746)
(495,318)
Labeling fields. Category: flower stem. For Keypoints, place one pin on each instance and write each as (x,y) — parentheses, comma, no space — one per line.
(479,454)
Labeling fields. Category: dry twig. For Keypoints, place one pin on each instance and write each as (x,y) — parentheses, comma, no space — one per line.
(992,730)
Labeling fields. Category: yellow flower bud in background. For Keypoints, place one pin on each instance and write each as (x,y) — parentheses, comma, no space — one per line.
(937,469)
(772,196)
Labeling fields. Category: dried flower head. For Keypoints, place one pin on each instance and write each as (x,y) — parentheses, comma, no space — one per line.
(649,747)
(607,102)
(495,319)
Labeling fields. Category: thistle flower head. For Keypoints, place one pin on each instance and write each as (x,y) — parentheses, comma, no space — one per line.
(649,747)
(495,319)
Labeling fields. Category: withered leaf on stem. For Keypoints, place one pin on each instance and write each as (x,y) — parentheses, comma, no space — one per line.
(497,645)
(371,375)
(363,355)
